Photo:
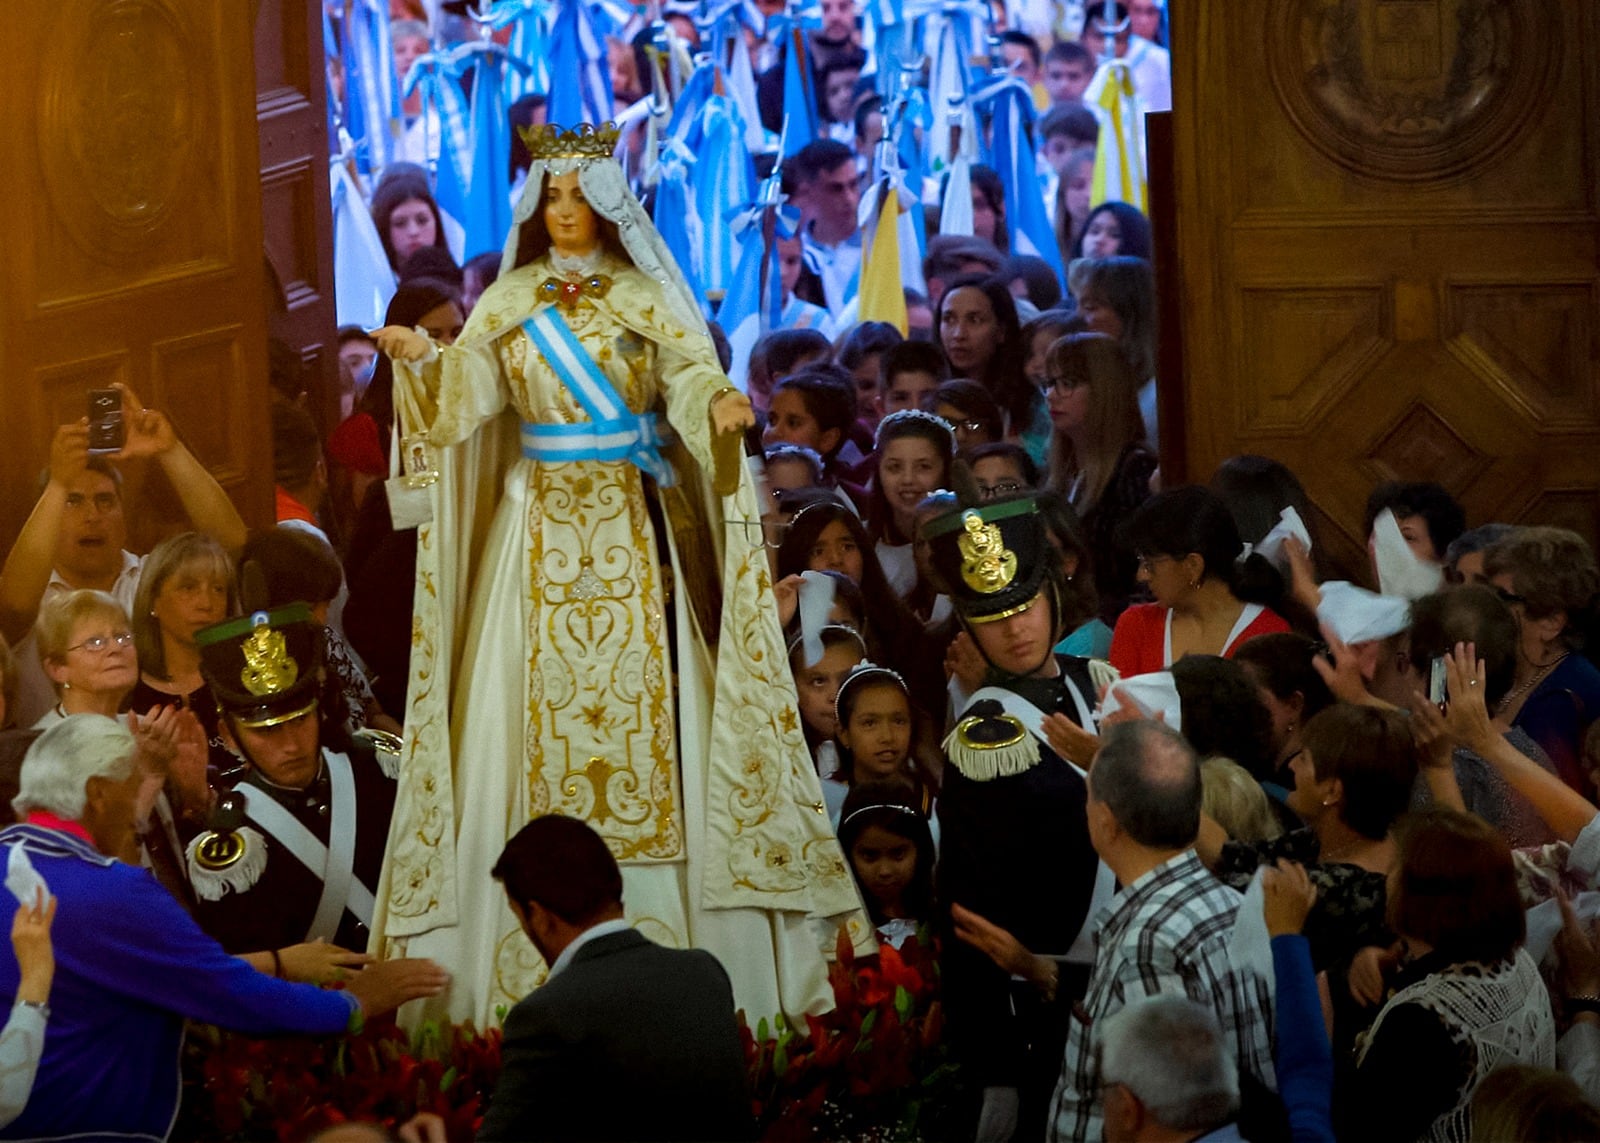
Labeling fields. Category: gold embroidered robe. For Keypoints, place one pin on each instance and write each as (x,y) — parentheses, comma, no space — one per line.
(542,674)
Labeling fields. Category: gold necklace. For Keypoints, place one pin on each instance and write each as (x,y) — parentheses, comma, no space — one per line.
(1538,676)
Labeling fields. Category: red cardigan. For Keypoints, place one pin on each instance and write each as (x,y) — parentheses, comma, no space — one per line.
(1139,643)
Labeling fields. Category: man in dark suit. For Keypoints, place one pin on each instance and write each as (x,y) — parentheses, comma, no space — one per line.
(626,1039)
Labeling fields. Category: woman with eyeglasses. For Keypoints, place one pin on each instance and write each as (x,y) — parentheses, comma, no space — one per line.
(1099,462)
(1548,578)
(1210,596)
(86,648)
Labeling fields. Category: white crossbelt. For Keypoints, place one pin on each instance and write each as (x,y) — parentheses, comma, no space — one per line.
(1105,884)
(341,889)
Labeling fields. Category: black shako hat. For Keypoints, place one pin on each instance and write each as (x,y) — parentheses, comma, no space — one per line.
(992,559)
(263,668)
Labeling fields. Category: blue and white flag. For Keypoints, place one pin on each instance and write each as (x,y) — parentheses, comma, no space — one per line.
(799,96)
(1026,218)
(372,93)
(488,180)
(581,87)
(363,282)
(530,43)
(444,121)
(724,179)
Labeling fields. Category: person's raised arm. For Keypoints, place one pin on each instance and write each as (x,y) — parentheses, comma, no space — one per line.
(28,565)
(1436,760)
(150,434)
(1562,808)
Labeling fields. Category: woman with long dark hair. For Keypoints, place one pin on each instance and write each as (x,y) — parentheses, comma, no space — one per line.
(406,215)
(977,328)
(1099,463)
(1113,228)
(1117,297)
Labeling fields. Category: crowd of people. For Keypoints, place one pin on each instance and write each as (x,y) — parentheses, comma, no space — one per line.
(1211,844)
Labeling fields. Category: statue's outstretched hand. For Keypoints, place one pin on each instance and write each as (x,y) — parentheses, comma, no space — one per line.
(401,344)
(730,413)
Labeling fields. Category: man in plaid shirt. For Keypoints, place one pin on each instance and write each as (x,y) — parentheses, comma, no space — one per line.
(1168,929)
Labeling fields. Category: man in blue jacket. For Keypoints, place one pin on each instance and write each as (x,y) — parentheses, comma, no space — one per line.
(131,965)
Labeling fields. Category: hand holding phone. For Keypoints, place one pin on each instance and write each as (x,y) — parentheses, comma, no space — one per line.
(107,433)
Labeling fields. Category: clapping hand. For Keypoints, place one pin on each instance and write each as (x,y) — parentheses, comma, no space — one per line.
(965,663)
(1070,740)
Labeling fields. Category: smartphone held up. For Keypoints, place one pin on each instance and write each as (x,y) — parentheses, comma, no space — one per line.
(107,434)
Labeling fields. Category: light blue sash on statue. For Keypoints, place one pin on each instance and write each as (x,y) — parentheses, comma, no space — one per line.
(613,432)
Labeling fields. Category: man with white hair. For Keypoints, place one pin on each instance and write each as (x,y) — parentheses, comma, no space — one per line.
(131,965)
(1166,1074)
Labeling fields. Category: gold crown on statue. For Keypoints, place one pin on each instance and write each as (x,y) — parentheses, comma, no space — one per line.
(585,141)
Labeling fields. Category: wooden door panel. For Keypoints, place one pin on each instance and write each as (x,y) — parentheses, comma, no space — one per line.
(1386,250)
(295,204)
(129,167)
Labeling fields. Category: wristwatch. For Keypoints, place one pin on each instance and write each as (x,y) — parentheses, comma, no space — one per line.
(1583,1003)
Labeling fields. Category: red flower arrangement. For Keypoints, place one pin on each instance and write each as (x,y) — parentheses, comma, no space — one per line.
(874,1068)
(236,1087)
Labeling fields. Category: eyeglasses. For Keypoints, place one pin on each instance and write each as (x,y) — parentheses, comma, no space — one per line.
(1066,384)
(103,502)
(971,426)
(999,488)
(95,644)
(1148,563)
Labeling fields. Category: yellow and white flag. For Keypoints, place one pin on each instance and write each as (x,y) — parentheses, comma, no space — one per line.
(882,295)
(1119,160)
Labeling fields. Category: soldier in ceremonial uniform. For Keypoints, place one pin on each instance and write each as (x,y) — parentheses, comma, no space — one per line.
(1015,844)
(296,848)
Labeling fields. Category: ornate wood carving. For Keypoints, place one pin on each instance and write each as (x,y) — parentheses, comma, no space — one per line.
(133,225)
(1387,250)
(1412,89)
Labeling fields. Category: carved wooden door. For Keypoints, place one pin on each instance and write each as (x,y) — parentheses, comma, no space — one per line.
(291,92)
(1386,256)
(132,233)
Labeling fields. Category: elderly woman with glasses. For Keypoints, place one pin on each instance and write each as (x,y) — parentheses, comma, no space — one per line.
(1548,578)
(86,648)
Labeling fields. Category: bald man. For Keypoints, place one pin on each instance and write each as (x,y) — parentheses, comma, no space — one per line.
(1168,932)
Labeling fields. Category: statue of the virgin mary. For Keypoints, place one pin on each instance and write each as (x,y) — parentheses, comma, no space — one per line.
(595,633)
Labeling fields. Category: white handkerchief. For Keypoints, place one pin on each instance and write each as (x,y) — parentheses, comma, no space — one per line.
(816,601)
(1250,944)
(1357,615)
(1150,695)
(1289,524)
(1401,571)
(23,879)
